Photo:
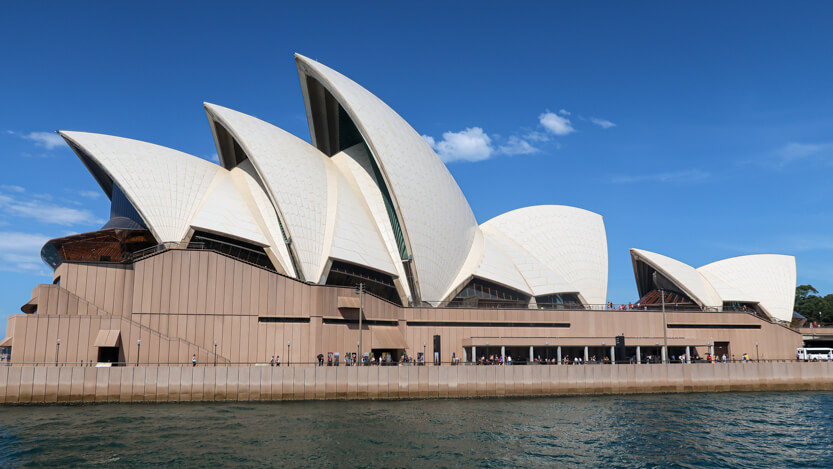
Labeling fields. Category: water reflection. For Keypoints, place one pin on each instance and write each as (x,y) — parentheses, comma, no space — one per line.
(683,430)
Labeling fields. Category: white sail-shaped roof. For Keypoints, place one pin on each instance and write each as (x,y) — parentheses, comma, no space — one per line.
(765,279)
(768,279)
(164,185)
(436,220)
(248,183)
(224,211)
(540,279)
(683,275)
(355,238)
(295,178)
(567,240)
(323,214)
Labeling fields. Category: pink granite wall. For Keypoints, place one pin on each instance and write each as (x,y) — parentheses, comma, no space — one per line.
(43,384)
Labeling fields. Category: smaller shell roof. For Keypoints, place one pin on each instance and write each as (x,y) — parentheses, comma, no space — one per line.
(682,274)
(766,279)
(567,240)
(165,186)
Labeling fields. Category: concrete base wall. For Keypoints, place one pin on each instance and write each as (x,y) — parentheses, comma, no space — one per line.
(41,384)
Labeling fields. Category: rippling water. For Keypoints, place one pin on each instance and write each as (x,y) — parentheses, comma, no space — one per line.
(682,430)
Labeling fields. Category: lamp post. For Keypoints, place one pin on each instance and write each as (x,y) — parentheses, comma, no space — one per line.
(215,353)
(57,347)
(360,288)
(138,349)
(664,328)
(288,350)
(358,355)
(757,355)
(424,346)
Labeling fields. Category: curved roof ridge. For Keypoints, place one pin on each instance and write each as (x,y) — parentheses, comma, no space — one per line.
(437,223)
(295,177)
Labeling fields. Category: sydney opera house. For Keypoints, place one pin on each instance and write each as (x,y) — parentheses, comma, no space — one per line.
(260,256)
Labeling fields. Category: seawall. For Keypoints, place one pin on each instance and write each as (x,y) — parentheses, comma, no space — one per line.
(45,384)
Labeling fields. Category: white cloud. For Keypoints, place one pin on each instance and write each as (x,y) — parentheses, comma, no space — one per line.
(565,112)
(45,212)
(556,124)
(471,144)
(20,252)
(90,194)
(792,152)
(46,140)
(517,146)
(13,188)
(603,123)
(536,136)
(683,176)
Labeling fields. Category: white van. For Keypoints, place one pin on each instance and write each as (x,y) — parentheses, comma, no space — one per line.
(814,354)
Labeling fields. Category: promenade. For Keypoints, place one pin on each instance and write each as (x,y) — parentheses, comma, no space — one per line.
(52,384)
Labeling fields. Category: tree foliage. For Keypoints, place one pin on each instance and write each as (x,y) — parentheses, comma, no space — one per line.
(813,306)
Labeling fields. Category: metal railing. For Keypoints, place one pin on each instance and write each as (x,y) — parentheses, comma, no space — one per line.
(519,362)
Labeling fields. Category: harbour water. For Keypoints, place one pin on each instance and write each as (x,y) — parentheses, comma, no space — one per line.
(669,430)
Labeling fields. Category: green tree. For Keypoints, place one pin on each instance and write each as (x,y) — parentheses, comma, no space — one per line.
(812,306)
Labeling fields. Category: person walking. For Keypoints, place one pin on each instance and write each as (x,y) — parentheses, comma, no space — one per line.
(194,360)
(278,360)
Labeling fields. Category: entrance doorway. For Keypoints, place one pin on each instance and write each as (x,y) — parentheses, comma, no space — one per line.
(721,348)
(108,354)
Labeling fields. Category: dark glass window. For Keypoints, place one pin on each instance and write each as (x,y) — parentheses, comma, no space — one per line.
(480,293)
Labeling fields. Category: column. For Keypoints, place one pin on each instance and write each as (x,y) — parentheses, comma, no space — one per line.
(531,353)
(612,354)
(465,355)
(687,354)
(559,354)
(664,355)
(503,351)
(585,354)
(473,354)
(638,354)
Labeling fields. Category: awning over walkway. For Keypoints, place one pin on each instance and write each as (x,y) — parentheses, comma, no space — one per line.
(7,342)
(348,302)
(388,337)
(108,338)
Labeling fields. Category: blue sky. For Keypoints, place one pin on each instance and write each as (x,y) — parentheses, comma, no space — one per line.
(699,132)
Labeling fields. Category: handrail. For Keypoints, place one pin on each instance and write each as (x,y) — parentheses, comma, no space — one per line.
(93,364)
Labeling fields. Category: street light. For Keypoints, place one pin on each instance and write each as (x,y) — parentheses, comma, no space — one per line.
(424,345)
(358,355)
(360,287)
(215,353)
(757,355)
(664,328)
(57,347)
(138,349)
(288,349)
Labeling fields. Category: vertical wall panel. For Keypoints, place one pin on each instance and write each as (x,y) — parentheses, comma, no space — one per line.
(167,280)
(202,282)
(193,281)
